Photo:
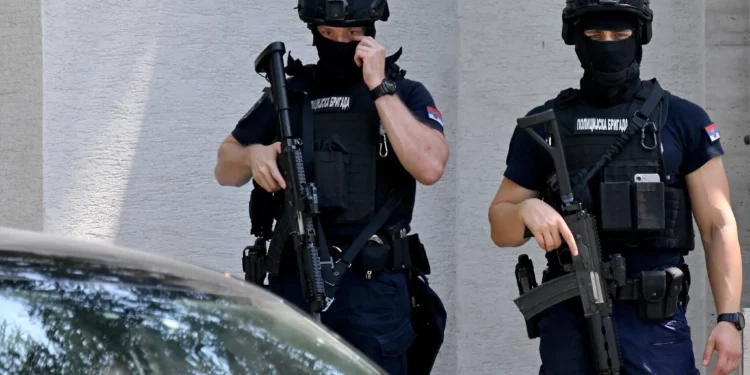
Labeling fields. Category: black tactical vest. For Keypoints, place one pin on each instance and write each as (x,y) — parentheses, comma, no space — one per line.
(638,204)
(353,164)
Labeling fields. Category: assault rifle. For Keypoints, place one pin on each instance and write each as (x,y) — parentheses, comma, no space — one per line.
(300,196)
(587,276)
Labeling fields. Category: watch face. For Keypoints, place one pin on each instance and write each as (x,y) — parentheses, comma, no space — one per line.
(389,85)
(741,322)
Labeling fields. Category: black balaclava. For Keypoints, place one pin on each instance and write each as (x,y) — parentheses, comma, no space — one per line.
(611,68)
(336,66)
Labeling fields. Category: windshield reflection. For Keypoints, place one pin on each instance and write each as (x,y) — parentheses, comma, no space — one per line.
(56,319)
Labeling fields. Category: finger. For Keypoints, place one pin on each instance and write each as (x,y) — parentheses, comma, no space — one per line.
(262,181)
(710,345)
(358,59)
(732,365)
(556,239)
(548,241)
(276,175)
(366,40)
(539,237)
(569,238)
(365,47)
(277,147)
(272,185)
(720,364)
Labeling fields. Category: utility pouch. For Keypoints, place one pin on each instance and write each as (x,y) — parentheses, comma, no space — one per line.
(676,280)
(649,205)
(615,202)
(400,257)
(375,256)
(253,262)
(660,292)
(418,254)
(331,168)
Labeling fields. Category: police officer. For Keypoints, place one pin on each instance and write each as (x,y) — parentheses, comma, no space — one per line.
(375,135)
(643,197)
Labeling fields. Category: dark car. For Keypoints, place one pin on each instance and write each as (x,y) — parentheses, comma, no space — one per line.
(77,307)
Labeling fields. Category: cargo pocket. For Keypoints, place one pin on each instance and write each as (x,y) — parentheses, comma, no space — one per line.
(398,342)
(332,162)
(388,350)
(394,348)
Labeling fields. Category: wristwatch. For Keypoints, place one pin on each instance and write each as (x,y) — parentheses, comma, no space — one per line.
(387,87)
(737,318)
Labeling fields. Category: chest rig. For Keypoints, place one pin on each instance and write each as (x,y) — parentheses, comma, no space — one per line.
(346,140)
(614,155)
(350,153)
(354,171)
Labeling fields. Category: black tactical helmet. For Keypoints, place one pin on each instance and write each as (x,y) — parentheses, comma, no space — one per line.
(343,13)
(574,9)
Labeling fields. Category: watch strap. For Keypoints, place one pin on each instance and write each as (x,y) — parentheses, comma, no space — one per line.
(387,87)
(736,318)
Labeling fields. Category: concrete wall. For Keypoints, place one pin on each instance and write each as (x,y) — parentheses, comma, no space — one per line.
(139,94)
(21,188)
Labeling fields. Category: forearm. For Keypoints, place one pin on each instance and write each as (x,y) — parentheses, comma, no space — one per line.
(422,151)
(233,165)
(506,224)
(724,263)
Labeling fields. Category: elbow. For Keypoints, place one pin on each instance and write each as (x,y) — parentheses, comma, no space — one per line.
(224,176)
(495,234)
(221,178)
(498,236)
(499,233)
(431,174)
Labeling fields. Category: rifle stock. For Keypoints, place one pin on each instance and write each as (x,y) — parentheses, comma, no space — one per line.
(301,198)
(589,277)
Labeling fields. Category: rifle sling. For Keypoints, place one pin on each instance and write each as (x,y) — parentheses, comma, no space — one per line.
(332,273)
(638,121)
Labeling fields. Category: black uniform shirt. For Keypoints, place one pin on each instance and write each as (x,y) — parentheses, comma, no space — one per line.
(260,126)
(689,140)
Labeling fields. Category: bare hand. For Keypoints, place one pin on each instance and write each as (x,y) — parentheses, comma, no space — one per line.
(264,166)
(370,56)
(547,225)
(726,339)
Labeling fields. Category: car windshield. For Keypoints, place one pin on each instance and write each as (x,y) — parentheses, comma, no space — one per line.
(61,317)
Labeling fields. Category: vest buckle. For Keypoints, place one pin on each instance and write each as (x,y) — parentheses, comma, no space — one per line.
(640,119)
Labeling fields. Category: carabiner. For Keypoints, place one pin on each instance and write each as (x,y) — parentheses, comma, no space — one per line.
(643,136)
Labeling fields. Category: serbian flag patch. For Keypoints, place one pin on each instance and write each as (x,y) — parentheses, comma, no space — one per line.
(434,114)
(713,133)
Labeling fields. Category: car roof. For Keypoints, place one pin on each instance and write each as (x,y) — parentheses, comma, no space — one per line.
(27,242)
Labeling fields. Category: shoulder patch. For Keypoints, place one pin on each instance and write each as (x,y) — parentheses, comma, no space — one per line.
(434,114)
(713,132)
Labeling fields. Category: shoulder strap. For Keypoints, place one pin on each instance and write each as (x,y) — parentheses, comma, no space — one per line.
(640,118)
